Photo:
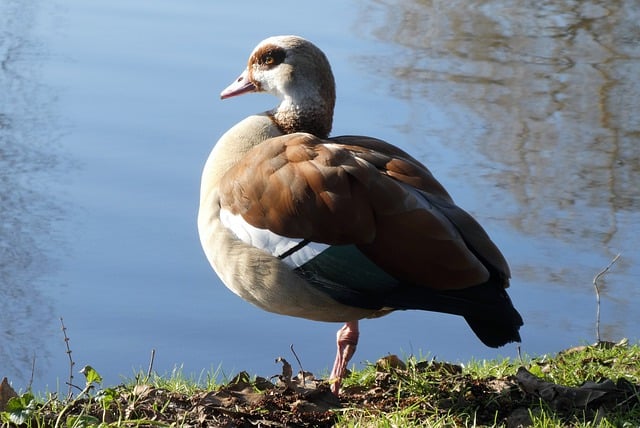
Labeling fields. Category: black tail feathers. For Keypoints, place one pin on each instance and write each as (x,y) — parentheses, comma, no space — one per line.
(487,309)
(496,332)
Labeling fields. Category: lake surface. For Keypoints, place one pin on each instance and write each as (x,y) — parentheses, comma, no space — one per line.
(108,111)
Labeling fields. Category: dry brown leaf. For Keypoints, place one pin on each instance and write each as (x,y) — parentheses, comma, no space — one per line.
(563,397)
(6,394)
(390,362)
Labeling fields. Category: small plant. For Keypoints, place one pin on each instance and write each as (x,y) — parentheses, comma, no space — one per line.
(20,410)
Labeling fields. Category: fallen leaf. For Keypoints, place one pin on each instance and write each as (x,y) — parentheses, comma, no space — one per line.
(560,396)
(6,393)
(390,362)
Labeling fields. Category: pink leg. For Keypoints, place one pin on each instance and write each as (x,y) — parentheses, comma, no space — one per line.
(347,339)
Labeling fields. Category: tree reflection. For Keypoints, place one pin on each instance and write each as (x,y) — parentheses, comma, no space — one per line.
(27,162)
(547,94)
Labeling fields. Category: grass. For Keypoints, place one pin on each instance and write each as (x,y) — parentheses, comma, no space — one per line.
(486,393)
(389,393)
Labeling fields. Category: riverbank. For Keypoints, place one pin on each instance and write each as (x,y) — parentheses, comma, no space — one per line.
(594,385)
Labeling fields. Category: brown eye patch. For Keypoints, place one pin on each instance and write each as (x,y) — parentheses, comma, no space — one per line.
(270,56)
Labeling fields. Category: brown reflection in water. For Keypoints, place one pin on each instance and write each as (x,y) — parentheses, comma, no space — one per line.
(27,210)
(546,98)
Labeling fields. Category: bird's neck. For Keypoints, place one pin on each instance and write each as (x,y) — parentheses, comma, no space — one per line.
(307,115)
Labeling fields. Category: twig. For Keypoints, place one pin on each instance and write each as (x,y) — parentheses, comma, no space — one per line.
(71,363)
(299,363)
(150,369)
(33,370)
(597,288)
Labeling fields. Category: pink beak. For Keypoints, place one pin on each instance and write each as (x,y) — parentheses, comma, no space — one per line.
(240,86)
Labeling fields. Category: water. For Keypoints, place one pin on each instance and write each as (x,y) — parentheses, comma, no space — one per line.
(108,111)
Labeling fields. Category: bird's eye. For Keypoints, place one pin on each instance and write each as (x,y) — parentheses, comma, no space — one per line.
(271,57)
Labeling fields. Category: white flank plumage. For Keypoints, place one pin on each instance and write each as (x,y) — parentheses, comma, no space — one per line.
(271,242)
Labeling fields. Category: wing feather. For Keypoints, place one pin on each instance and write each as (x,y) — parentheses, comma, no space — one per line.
(362,191)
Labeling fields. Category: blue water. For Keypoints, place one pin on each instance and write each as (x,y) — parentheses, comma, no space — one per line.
(111,108)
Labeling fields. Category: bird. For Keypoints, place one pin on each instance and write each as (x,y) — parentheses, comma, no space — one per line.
(338,228)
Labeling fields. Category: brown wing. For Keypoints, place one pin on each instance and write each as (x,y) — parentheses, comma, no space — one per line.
(362,191)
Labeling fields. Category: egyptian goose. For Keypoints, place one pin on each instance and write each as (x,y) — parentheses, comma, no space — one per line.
(340,228)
